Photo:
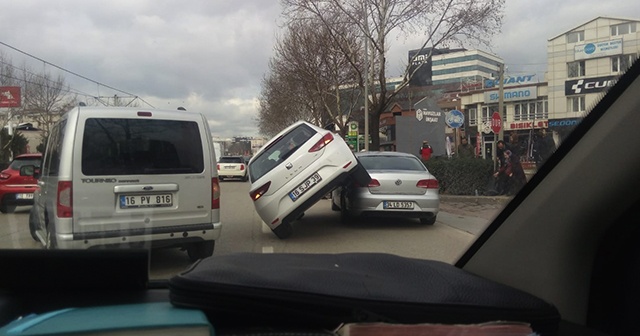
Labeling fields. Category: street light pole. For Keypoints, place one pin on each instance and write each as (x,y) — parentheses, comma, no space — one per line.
(366,95)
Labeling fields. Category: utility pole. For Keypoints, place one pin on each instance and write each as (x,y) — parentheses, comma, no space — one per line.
(366,80)
(501,102)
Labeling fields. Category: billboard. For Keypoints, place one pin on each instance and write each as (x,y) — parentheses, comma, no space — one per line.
(10,96)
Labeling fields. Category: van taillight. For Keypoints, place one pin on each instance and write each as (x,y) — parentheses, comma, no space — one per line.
(256,194)
(326,139)
(64,202)
(215,193)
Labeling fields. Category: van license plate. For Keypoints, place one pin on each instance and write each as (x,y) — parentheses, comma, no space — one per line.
(397,205)
(145,201)
(306,185)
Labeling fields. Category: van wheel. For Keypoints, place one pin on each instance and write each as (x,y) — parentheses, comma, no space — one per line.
(6,208)
(50,239)
(283,231)
(33,223)
(201,250)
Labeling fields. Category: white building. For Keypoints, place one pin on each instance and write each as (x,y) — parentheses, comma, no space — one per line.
(583,62)
(469,68)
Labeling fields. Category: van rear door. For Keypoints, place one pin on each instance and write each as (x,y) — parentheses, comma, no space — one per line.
(141,173)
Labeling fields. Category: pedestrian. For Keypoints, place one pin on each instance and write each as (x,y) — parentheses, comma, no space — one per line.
(543,147)
(516,176)
(465,150)
(426,151)
(502,180)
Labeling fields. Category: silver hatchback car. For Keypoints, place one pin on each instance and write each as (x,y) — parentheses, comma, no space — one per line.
(400,186)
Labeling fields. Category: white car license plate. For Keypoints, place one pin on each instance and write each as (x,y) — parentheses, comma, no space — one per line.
(306,185)
(24,196)
(145,201)
(397,205)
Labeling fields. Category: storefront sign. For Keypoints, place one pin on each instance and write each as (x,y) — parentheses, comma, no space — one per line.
(598,49)
(523,93)
(428,116)
(588,85)
(509,81)
(564,122)
(519,125)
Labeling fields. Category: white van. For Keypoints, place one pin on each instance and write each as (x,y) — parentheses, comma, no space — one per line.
(124,176)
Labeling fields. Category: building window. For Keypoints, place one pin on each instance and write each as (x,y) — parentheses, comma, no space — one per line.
(621,63)
(473,116)
(574,37)
(575,69)
(542,109)
(531,110)
(624,28)
(576,104)
(487,112)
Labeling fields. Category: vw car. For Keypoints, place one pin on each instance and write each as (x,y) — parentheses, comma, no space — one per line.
(232,167)
(400,186)
(16,188)
(297,168)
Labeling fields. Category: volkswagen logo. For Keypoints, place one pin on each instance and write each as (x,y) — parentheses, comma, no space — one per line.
(398,182)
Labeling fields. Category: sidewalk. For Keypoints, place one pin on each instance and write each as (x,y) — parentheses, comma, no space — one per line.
(486,207)
(480,200)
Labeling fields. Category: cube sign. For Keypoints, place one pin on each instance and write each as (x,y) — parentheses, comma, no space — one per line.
(496,122)
(10,96)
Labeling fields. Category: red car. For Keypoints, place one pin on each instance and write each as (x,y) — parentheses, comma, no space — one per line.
(16,189)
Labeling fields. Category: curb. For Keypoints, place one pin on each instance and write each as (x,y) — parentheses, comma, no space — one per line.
(482,200)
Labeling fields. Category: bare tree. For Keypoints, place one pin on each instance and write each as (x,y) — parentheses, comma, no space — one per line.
(442,22)
(317,73)
(45,99)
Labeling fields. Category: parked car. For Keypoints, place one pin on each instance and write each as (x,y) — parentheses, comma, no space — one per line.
(232,167)
(16,187)
(401,186)
(124,176)
(297,168)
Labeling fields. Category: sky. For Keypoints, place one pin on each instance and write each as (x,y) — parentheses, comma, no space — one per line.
(210,56)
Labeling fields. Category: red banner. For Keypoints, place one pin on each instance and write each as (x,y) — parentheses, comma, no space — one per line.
(10,96)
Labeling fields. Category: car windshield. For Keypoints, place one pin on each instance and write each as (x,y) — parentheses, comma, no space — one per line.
(19,162)
(226,159)
(482,94)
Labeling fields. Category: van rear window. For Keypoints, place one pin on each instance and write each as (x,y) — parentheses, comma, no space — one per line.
(141,146)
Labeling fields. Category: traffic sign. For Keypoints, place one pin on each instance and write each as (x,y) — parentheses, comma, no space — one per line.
(496,122)
(455,119)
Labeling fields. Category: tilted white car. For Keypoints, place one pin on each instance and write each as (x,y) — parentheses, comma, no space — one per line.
(297,168)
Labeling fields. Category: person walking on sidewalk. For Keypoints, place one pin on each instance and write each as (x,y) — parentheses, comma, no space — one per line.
(426,151)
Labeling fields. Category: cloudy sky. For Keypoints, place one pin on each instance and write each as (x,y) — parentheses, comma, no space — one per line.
(211,55)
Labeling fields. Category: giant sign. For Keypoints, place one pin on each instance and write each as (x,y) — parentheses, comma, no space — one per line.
(598,49)
(588,85)
(10,96)
(509,81)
